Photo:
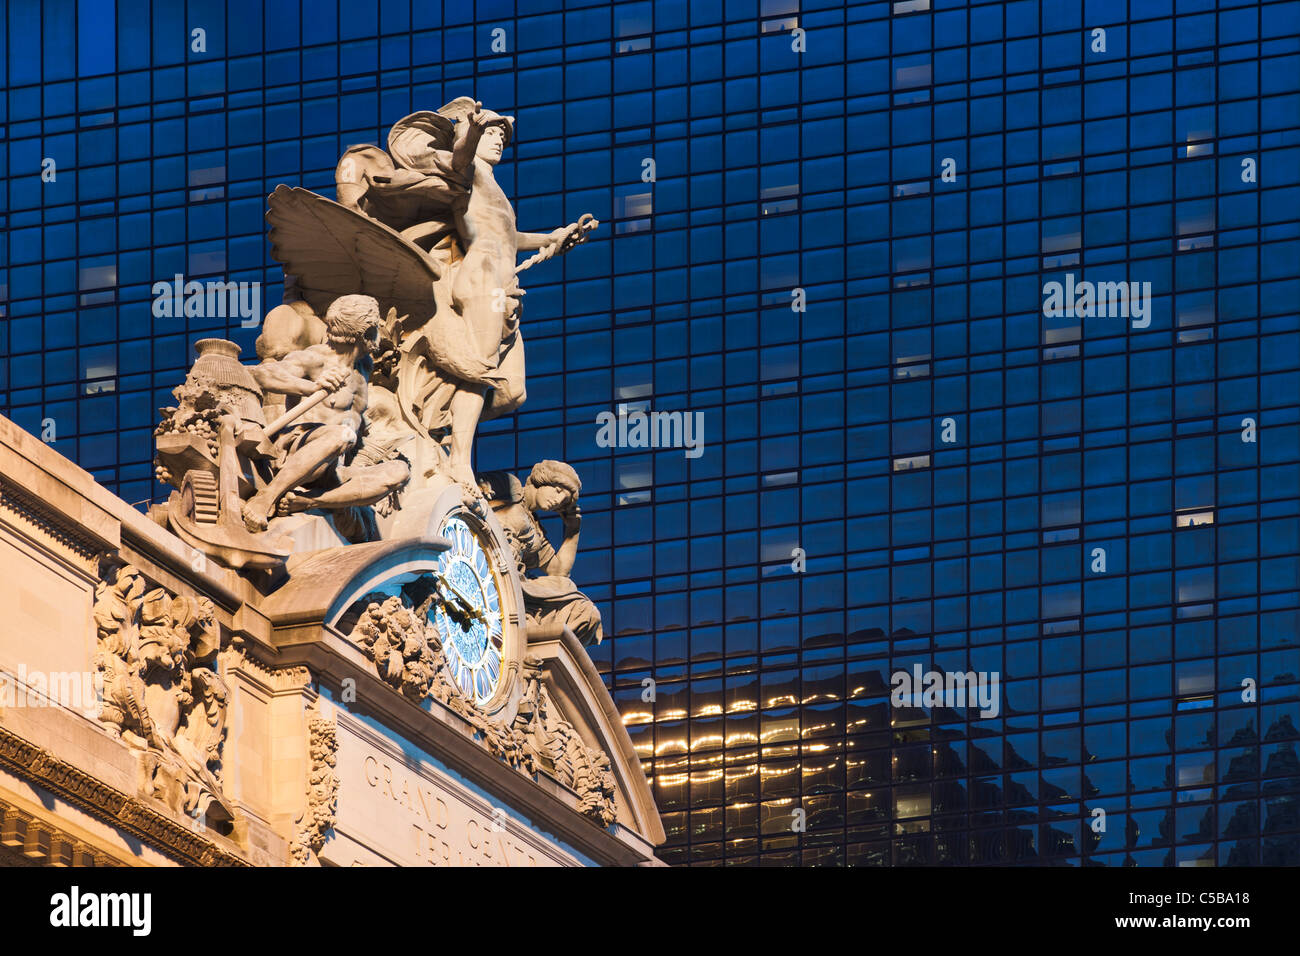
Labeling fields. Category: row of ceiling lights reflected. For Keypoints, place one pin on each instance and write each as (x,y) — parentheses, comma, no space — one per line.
(788,731)
(739,706)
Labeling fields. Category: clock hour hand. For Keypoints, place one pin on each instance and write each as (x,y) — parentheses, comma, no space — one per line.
(468,612)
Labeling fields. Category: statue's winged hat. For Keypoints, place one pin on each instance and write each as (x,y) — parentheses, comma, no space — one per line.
(413,138)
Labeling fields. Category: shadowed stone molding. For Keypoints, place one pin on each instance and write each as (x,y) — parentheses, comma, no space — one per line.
(322,789)
(555,747)
(44,522)
(237,658)
(573,683)
(36,842)
(109,804)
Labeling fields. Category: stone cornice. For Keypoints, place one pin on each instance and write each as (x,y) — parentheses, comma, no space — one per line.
(273,678)
(60,496)
(111,805)
(40,520)
(41,842)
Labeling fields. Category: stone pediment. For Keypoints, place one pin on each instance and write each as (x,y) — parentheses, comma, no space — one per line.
(554,722)
(322,583)
(576,688)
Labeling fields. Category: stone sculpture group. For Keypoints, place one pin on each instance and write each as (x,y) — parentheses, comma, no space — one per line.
(399,334)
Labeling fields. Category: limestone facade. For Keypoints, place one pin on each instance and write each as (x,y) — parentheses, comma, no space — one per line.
(159,708)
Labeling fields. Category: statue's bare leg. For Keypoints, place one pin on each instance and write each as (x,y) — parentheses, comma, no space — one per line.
(365,487)
(487,321)
(303,465)
(466,407)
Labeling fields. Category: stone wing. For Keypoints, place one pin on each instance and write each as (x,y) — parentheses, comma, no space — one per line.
(332,251)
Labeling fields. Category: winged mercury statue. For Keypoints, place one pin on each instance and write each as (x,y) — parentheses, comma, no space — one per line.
(426,230)
(399,333)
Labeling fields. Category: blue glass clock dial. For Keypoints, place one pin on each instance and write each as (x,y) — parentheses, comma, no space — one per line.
(474,652)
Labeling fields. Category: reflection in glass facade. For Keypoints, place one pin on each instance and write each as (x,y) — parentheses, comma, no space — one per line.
(838,256)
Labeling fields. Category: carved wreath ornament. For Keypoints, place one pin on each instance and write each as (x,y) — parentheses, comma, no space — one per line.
(408,654)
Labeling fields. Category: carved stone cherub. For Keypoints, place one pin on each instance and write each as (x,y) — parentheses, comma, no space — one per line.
(550,596)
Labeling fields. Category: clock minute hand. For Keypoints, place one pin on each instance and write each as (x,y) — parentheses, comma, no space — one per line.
(467,606)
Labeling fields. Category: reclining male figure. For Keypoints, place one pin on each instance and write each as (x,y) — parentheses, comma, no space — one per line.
(316,445)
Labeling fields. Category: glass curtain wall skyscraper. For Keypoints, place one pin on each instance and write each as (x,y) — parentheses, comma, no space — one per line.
(845,244)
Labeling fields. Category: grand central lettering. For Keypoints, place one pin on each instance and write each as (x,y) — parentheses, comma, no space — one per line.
(483,843)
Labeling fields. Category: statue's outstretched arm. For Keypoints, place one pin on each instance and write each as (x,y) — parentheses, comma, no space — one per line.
(528,241)
(556,242)
(291,375)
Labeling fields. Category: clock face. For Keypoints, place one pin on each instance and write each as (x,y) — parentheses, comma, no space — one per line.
(474,649)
